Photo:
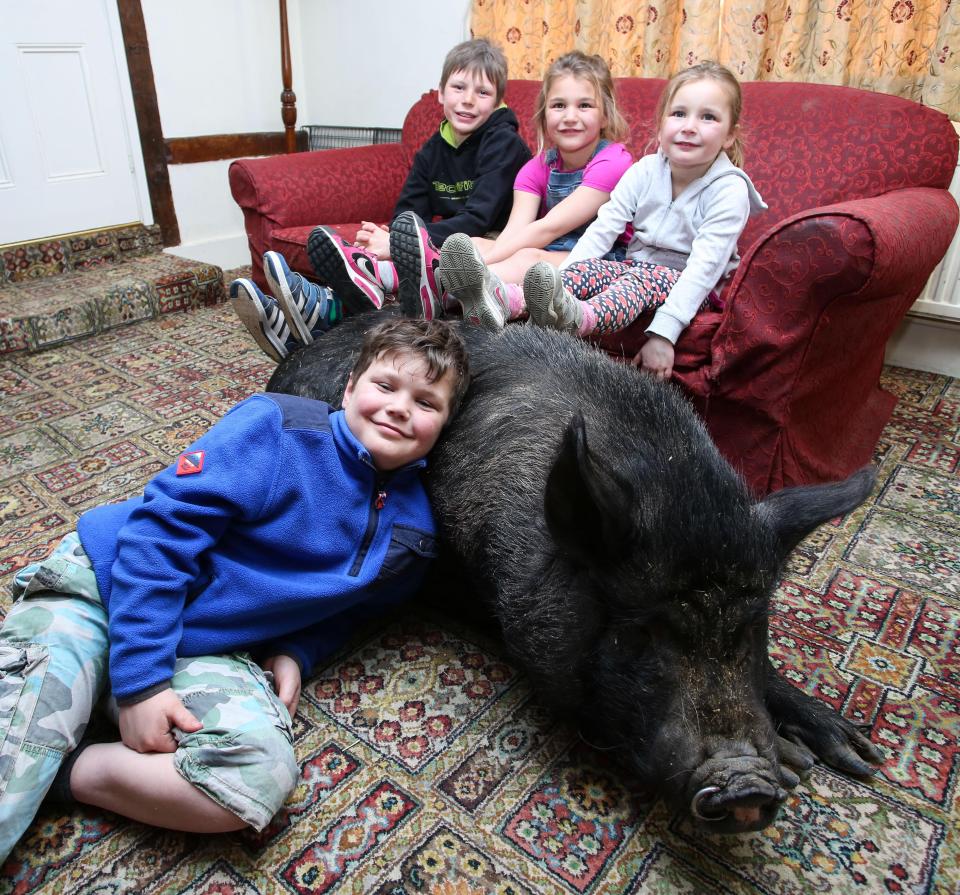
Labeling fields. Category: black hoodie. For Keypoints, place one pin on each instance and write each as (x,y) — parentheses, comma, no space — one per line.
(470,186)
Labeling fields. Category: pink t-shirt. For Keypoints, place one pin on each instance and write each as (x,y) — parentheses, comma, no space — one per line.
(602,172)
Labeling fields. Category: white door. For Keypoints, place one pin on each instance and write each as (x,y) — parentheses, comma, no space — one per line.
(67,137)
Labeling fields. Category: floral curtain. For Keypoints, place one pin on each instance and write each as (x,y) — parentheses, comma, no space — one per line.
(910,48)
(650,41)
(904,47)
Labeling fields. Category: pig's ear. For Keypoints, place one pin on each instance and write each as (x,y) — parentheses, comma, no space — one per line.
(794,512)
(588,504)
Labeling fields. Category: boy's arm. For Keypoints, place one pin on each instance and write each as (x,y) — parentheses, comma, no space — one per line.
(500,156)
(312,644)
(161,545)
(417,189)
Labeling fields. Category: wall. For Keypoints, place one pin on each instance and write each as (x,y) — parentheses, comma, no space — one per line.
(216,66)
(217,70)
(384,55)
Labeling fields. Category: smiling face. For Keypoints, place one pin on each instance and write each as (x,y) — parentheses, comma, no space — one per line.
(468,99)
(697,124)
(573,119)
(395,411)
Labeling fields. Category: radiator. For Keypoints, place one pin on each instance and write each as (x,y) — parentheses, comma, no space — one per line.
(940,298)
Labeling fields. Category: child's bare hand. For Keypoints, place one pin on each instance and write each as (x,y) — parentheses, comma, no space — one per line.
(148,725)
(656,357)
(286,680)
(375,239)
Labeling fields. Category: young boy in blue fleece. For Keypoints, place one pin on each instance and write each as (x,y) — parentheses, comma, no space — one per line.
(214,593)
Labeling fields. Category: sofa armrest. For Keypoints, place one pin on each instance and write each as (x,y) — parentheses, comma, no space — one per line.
(860,263)
(796,359)
(329,186)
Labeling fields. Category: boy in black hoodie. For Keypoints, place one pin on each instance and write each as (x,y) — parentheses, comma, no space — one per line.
(461,182)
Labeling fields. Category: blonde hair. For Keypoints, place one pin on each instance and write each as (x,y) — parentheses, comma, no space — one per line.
(477,57)
(723,76)
(594,71)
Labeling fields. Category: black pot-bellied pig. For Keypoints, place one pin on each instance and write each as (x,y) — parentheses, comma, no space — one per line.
(628,567)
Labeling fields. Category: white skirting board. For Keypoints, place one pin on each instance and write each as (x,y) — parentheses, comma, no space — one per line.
(226,252)
(923,343)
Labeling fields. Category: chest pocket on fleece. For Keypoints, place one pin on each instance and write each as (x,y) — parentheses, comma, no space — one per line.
(409,552)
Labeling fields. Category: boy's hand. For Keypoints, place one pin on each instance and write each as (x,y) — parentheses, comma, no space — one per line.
(147,726)
(656,357)
(286,680)
(375,239)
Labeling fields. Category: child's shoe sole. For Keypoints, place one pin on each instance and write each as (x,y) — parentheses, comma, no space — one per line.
(243,297)
(547,303)
(408,249)
(467,278)
(344,268)
(277,282)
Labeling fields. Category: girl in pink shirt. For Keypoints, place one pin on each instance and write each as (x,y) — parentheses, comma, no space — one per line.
(555,195)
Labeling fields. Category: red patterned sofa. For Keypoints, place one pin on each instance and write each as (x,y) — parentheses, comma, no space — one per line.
(787,375)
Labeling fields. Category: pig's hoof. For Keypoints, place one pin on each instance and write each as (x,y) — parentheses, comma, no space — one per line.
(796,761)
(837,743)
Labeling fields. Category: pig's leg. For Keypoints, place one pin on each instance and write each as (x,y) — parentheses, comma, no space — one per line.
(806,721)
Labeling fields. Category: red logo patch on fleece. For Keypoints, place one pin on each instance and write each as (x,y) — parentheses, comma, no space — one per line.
(190,462)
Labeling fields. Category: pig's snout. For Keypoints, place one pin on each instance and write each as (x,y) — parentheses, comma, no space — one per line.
(735,794)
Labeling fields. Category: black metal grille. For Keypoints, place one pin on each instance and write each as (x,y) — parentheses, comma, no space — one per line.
(323,136)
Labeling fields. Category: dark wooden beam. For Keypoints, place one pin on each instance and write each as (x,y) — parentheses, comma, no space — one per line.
(148,119)
(211,147)
(288,99)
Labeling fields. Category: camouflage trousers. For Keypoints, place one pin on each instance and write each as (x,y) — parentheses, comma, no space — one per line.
(53,670)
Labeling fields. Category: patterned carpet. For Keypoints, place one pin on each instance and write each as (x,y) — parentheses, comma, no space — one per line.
(428,767)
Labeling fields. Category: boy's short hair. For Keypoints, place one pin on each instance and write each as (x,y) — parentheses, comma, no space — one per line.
(477,56)
(437,342)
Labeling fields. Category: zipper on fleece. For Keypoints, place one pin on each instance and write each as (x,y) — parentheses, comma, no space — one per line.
(377,501)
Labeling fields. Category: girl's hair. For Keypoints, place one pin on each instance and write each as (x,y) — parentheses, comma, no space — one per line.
(727,79)
(595,71)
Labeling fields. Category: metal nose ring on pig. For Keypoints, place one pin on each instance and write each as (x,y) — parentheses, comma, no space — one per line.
(745,796)
(627,565)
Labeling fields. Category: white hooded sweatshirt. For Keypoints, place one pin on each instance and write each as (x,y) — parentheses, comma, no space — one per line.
(695,233)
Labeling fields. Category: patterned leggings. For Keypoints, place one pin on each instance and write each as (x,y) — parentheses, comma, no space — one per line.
(618,292)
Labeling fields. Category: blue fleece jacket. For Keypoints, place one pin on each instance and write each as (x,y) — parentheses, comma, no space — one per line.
(282,542)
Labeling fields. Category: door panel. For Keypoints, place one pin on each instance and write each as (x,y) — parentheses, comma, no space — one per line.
(65,146)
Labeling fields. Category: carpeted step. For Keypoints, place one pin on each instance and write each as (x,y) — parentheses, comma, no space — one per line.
(70,288)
